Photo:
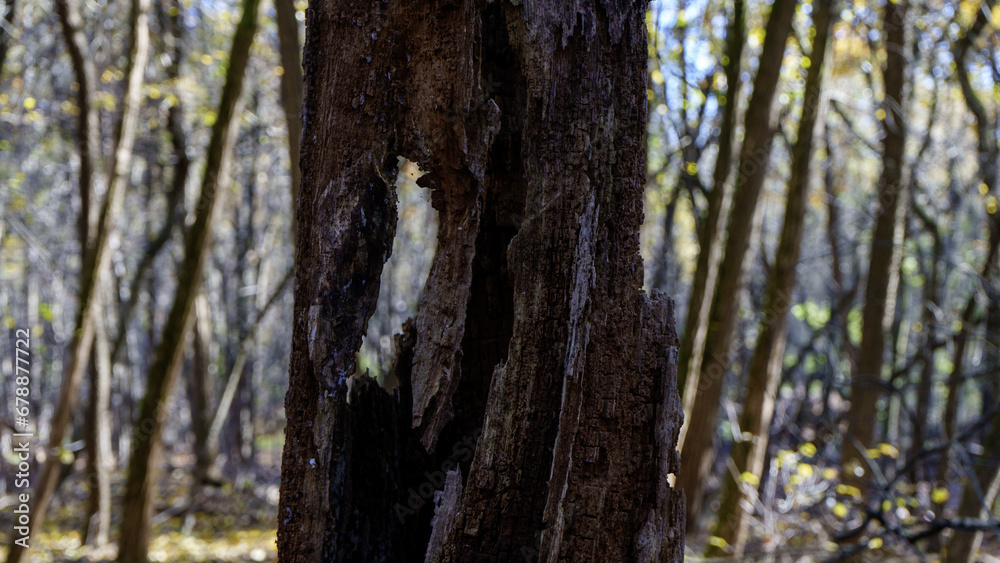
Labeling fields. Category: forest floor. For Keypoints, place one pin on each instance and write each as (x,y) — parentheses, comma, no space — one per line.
(233,523)
(237,521)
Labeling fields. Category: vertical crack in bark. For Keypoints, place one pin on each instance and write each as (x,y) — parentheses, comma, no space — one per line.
(449,128)
(554,515)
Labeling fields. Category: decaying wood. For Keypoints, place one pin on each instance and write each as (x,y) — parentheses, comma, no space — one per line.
(534,344)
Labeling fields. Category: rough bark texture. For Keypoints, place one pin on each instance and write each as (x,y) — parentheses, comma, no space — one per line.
(710,238)
(532,329)
(886,249)
(702,395)
(347,219)
(143,462)
(448,130)
(96,256)
(761,386)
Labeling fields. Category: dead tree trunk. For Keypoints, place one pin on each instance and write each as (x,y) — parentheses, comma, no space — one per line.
(537,383)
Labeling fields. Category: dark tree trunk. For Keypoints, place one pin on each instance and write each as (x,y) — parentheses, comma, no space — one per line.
(534,345)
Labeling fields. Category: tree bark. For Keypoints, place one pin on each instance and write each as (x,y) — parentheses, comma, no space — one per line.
(710,238)
(886,247)
(97,256)
(761,386)
(578,386)
(702,395)
(143,463)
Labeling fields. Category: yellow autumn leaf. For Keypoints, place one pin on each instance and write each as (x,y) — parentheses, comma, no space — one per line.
(889,449)
(718,542)
(939,495)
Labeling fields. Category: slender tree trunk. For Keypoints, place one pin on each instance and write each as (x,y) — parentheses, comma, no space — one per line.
(97,254)
(702,395)
(665,253)
(98,513)
(146,443)
(928,317)
(583,393)
(867,383)
(201,392)
(761,385)
(207,438)
(710,239)
(171,20)
(291,91)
